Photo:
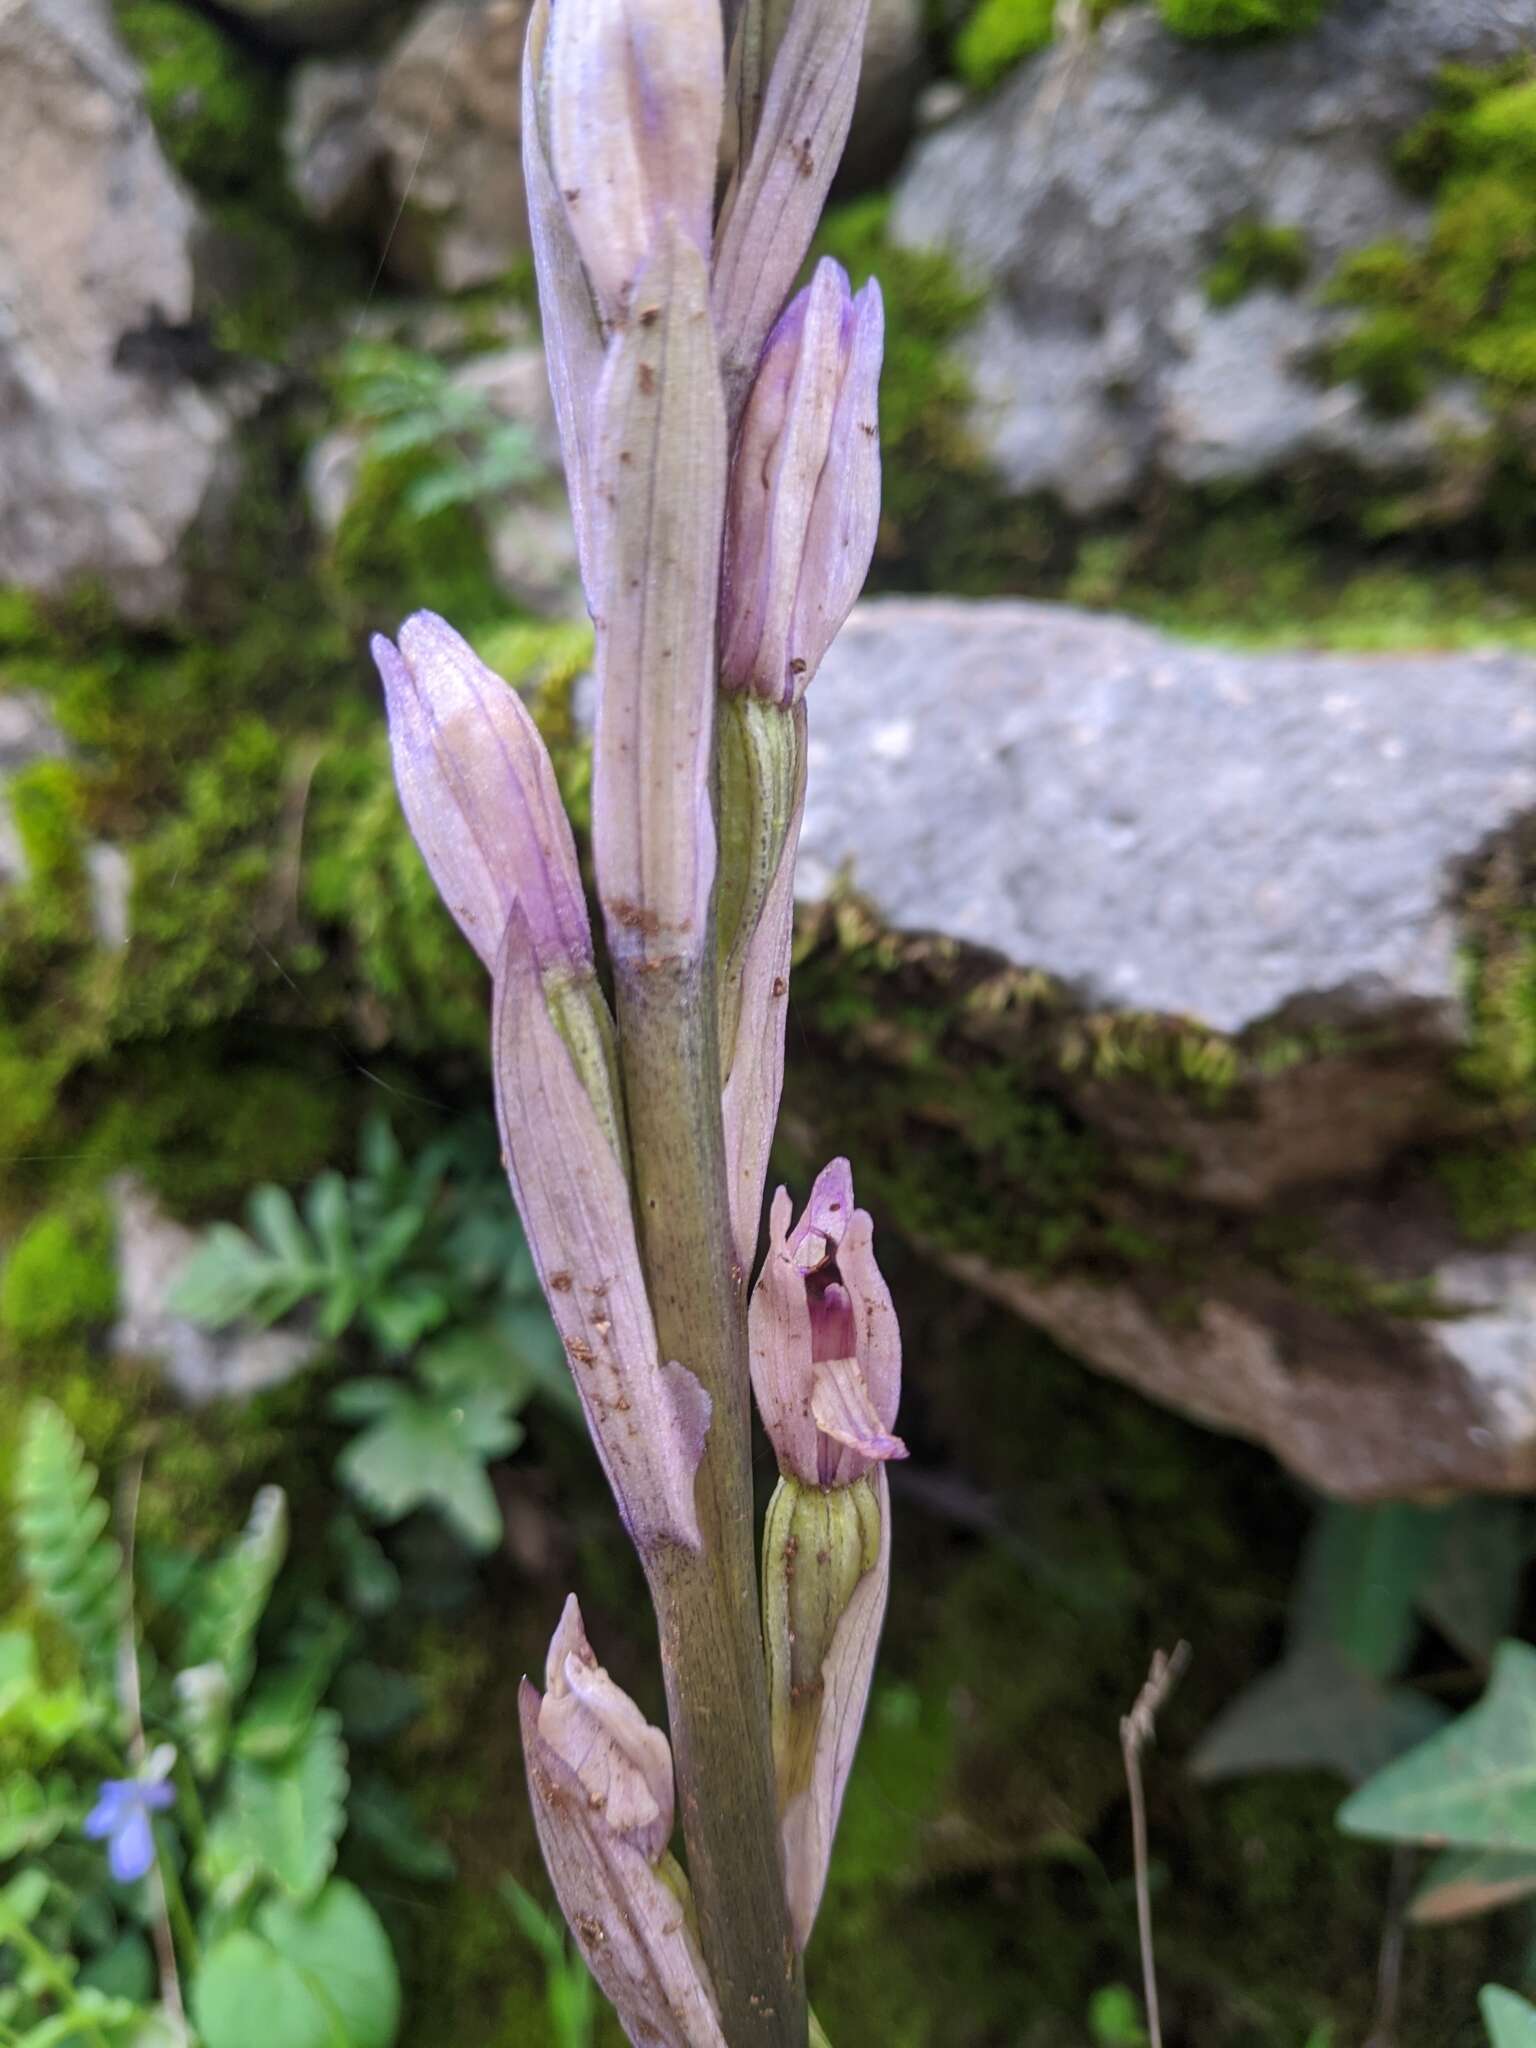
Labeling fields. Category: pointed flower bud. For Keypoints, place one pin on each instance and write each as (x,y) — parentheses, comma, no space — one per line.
(480,797)
(600,1783)
(636,96)
(776,195)
(804,501)
(826,1575)
(659,473)
(648,1417)
(825,1348)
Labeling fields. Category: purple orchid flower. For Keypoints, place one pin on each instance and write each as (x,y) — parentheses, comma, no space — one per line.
(826,1350)
(121,1818)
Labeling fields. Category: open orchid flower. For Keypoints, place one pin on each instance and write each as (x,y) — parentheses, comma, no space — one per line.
(826,1369)
(826,1351)
(600,1782)
(804,500)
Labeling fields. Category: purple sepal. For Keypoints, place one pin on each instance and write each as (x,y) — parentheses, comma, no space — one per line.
(480,796)
(648,1417)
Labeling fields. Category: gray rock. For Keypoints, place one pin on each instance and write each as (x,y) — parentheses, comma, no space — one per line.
(201,1365)
(103,468)
(1164,827)
(426,142)
(1094,190)
(1127,851)
(333,153)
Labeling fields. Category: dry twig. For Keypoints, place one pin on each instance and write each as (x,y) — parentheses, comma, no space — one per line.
(1137,1729)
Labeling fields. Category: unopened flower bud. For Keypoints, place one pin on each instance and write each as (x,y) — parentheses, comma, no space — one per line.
(826,1573)
(804,498)
(636,95)
(479,794)
(600,1783)
(825,1347)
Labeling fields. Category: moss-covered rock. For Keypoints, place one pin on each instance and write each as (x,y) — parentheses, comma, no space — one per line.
(1227,18)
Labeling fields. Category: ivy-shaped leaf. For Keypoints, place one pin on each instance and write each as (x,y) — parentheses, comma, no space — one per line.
(1473,1591)
(427,1446)
(1511,2023)
(1361,1579)
(1464,1882)
(321,1976)
(281,1820)
(73,1565)
(1315,1711)
(1472,1786)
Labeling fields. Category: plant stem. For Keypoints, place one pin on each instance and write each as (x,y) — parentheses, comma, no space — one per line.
(707,1604)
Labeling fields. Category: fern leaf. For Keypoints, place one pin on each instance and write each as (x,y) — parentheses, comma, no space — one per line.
(73,1565)
(233,1593)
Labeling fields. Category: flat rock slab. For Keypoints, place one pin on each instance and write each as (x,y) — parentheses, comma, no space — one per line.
(1162,826)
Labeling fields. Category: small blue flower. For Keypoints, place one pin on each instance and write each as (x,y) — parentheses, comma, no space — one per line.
(121,1815)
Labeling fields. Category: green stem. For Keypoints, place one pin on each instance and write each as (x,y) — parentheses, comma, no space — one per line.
(177,1911)
(706,1603)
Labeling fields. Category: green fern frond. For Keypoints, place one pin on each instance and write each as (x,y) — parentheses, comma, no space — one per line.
(233,1593)
(73,1565)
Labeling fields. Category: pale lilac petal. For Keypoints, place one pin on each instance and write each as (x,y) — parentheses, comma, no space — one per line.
(779,1348)
(660,472)
(775,200)
(628,1921)
(844,1412)
(573,339)
(622,1761)
(750,1098)
(111,1808)
(479,794)
(816,1237)
(647,1420)
(834,1333)
(845,518)
(636,91)
(809,1823)
(878,1345)
(774,484)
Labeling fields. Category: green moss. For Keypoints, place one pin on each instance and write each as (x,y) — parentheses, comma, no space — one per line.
(998,34)
(1464,301)
(59,1276)
(1226,18)
(45,803)
(387,560)
(215,108)
(1254,254)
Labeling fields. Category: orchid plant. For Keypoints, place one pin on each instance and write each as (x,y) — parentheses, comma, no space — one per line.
(722,455)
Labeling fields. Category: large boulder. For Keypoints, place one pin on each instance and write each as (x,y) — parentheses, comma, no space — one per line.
(107,456)
(1093,193)
(1195,925)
